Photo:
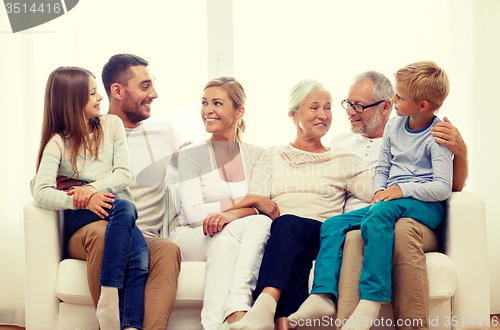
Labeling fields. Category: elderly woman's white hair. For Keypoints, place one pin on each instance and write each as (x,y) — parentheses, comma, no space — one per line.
(301,91)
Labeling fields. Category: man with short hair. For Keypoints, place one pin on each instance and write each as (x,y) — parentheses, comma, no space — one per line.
(368,108)
(153,145)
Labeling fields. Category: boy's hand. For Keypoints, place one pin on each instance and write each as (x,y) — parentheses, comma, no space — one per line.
(388,194)
(448,135)
(99,202)
(81,195)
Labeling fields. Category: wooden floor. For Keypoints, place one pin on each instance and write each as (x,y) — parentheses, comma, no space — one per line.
(494,324)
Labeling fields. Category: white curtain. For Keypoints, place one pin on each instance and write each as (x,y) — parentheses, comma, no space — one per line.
(275,44)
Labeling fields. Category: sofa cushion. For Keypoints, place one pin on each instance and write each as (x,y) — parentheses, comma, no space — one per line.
(72,286)
(191,284)
(442,276)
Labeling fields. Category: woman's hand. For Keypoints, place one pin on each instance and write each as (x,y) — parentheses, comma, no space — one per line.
(266,206)
(81,195)
(388,194)
(215,221)
(98,202)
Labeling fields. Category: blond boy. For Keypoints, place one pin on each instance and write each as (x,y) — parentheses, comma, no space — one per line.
(412,179)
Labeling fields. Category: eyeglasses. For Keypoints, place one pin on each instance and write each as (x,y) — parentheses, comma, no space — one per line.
(358,107)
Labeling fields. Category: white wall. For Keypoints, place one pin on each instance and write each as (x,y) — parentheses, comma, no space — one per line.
(484,119)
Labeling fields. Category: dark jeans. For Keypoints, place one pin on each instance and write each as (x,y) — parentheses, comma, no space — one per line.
(287,261)
(125,260)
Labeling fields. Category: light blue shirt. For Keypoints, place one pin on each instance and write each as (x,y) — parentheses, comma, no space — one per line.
(414,161)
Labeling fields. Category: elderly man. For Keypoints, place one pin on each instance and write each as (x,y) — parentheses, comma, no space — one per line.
(368,108)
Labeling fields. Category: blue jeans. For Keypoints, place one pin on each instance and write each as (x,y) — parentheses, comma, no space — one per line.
(287,261)
(125,262)
(377,230)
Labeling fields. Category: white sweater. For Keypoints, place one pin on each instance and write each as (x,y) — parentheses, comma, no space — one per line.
(313,185)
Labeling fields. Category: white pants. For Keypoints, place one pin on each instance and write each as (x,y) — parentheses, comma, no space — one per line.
(232,258)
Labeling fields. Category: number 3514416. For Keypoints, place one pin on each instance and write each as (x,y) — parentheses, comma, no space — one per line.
(23,8)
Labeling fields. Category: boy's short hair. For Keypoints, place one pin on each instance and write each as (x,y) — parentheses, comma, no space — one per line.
(424,81)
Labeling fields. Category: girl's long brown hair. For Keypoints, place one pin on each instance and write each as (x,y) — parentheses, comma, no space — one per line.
(66,94)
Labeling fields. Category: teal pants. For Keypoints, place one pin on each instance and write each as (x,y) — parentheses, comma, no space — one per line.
(377,229)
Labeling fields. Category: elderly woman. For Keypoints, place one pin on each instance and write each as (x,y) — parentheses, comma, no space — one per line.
(224,189)
(309,184)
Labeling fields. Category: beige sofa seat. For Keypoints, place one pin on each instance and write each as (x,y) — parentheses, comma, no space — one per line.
(57,294)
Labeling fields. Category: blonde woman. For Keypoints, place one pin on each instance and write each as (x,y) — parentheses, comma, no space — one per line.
(225,207)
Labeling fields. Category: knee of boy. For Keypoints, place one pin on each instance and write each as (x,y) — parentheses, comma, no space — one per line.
(383,211)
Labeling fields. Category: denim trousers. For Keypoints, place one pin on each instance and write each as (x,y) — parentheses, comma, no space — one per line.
(125,259)
(287,261)
(377,230)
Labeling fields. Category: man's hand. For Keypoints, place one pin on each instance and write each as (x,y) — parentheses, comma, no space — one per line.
(64,183)
(98,202)
(388,194)
(448,135)
(81,195)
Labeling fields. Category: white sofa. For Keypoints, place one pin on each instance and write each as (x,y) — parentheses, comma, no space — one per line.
(57,294)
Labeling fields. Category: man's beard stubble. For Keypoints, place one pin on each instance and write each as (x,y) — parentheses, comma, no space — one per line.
(131,109)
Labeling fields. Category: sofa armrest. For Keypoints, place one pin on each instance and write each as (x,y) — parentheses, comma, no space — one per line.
(44,251)
(465,244)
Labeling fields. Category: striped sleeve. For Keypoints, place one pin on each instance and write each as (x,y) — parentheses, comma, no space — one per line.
(121,172)
(46,195)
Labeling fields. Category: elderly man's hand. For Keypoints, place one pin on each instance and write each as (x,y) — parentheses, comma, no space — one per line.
(448,135)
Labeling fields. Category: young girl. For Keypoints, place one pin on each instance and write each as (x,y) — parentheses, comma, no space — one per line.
(79,143)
